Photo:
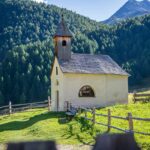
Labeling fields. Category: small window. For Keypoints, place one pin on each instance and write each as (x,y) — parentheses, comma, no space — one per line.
(56,70)
(57,82)
(86,91)
(64,43)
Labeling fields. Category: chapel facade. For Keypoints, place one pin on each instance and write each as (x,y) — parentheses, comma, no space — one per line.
(86,80)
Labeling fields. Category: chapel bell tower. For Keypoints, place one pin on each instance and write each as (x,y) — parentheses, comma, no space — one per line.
(62,39)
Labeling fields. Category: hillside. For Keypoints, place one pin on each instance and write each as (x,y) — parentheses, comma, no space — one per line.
(40,125)
(26,46)
(130,9)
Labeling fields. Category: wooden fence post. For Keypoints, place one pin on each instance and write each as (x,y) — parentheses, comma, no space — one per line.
(93,116)
(79,110)
(67,106)
(134,95)
(49,103)
(130,122)
(10,107)
(109,120)
(70,106)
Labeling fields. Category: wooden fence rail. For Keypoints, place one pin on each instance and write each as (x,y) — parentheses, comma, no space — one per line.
(141,97)
(109,117)
(141,119)
(9,109)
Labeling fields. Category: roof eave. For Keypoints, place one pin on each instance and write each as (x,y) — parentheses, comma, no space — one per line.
(70,36)
(94,73)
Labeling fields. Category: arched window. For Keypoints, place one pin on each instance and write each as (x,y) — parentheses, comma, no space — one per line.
(64,43)
(86,91)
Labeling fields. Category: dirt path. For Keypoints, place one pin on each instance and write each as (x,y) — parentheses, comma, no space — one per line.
(74,147)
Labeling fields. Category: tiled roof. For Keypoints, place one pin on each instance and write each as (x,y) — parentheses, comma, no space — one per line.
(91,64)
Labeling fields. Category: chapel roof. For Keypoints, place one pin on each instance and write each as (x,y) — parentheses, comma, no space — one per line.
(91,64)
(62,29)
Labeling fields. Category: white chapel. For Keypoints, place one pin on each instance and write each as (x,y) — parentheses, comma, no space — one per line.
(84,79)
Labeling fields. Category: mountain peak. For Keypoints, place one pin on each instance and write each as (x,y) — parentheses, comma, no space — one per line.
(138,1)
(131,8)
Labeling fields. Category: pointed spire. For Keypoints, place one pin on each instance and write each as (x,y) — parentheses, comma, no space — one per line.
(62,30)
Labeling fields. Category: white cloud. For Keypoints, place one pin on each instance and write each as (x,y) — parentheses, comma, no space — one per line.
(41,1)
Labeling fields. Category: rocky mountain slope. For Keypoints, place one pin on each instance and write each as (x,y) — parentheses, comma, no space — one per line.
(131,8)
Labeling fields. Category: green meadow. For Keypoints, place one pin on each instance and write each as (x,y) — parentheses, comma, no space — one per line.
(39,124)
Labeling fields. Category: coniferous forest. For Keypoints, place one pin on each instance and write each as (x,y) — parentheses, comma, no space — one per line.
(26,46)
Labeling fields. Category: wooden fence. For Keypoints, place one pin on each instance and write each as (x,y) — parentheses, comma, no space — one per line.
(141,97)
(12,108)
(109,117)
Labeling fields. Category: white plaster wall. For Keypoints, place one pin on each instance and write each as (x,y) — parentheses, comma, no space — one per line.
(55,87)
(109,89)
(117,86)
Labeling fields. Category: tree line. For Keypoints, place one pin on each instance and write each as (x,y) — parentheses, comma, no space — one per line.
(26,46)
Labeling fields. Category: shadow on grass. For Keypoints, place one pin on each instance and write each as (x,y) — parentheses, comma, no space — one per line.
(19,125)
(69,132)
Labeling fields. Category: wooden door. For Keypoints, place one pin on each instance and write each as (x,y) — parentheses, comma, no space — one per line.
(57,99)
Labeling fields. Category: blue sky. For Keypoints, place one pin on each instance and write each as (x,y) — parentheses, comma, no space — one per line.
(95,9)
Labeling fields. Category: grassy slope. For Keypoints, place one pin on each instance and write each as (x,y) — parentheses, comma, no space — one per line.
(138,110)
(35,125)
(38,125)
